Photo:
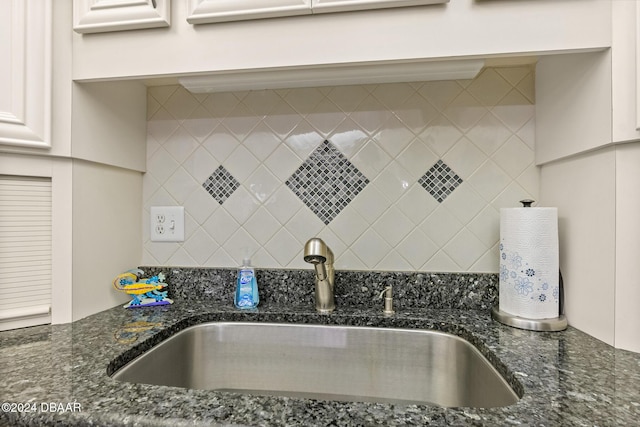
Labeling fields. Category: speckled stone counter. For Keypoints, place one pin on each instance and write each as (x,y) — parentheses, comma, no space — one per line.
(566,378)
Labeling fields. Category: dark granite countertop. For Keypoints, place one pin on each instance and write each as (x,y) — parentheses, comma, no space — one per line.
(57,375)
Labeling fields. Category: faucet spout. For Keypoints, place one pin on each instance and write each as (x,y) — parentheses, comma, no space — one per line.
(316,252)
(321,271)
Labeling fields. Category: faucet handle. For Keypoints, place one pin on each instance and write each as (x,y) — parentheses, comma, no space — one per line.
(388,290)
(388,300)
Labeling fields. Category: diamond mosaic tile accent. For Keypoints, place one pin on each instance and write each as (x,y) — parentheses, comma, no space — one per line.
(327,182)
(221,184)
(440,181)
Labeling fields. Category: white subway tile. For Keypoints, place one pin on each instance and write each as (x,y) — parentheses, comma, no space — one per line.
(371,248)
(283,247)
(220,225)
(441,226)
(283,204)
(393,262)
(371,159)
(464,158)
(220,143)
(514,157)
(489,87)
(181,103)
(200,205)
(262,183)
(392,133)
(393,226)
(200,246)
(241,205)
(464,249)
(261,142)
(241,245)
(416,248)
(262,225)
(417,204)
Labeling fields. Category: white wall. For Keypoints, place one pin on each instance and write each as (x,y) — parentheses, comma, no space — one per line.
(108,123)
(573,104)
(585,109)
(106,233)
(108,150)
(583,188)
(598,203)
(627,292)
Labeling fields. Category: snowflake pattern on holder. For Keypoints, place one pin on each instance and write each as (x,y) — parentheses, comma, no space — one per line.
(523,286)
(504,272)
(525,279)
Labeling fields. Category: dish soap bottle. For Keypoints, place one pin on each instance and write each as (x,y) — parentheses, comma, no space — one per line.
(247,287)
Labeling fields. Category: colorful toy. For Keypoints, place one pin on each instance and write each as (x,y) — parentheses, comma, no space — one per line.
(145,292)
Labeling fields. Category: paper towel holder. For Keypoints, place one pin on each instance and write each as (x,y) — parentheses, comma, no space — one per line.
(542,325)
(554,324)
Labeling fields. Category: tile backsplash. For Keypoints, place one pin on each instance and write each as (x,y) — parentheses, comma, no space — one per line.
(407,176)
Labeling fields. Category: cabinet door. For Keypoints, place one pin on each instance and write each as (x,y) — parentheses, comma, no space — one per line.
(637,39)
(323,6)
(205,11)
(98,16)
(625,74)
(25,73)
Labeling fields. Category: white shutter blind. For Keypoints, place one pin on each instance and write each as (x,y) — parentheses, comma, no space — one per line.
(25,251)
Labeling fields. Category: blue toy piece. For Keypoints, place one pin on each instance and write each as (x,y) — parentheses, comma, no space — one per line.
(144,292)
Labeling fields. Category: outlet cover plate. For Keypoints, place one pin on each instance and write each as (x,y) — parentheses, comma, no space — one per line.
(167,224)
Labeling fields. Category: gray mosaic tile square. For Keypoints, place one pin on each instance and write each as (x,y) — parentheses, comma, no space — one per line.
(221,184)
(440,181)
(327,182)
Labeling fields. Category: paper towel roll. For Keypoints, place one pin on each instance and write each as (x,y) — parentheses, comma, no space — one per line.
(529,266)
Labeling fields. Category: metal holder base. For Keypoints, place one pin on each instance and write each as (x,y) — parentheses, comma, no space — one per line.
(544,325)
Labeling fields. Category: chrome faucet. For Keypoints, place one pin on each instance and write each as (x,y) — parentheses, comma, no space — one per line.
(316,252)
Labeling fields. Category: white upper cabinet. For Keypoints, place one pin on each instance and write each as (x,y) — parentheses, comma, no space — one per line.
(25,73)
(98,16)
(324,6)
(637,39)
(206,11)
(625,69)
(460,29)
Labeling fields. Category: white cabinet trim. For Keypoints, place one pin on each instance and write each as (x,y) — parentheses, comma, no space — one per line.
(207,11)
(333,75)
(637,51)
(96,16)
(326,6)
(27,73)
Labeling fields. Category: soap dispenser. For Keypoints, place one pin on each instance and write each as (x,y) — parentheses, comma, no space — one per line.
(246,296)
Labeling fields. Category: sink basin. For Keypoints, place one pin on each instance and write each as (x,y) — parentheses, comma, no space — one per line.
(345,363)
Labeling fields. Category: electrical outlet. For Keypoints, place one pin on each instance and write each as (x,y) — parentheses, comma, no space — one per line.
(167,223)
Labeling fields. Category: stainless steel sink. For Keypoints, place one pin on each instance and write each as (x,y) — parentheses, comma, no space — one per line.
(346,363)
